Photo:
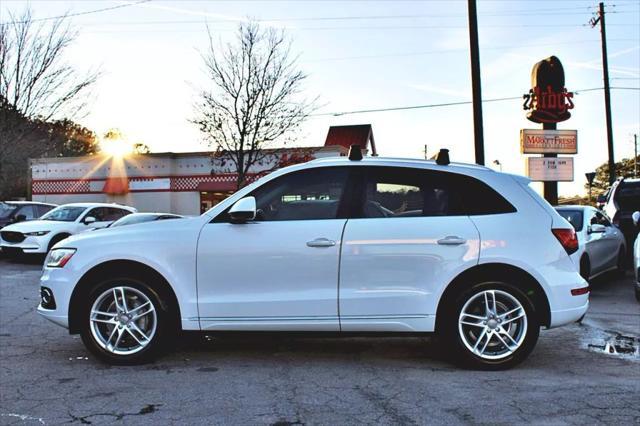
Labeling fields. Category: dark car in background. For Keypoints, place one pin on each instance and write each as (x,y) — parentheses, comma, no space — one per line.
(19,211)
(622,200)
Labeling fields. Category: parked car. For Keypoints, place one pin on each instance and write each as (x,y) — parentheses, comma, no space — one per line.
(142,218)
(636,255)
(38,236)
(333,245)
(602,245)
(20,211)
(623,198)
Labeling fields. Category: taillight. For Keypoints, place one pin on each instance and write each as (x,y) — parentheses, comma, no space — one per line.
(567,238)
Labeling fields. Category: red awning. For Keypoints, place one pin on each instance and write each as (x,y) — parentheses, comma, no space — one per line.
(116,186)
(217,186)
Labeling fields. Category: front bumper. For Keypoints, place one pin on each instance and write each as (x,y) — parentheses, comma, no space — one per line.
(58,281)
(29,245)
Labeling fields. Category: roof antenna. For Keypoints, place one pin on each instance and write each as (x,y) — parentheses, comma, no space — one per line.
(355,153)
(443,157)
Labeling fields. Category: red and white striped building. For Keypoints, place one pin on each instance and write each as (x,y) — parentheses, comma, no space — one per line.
(184,183)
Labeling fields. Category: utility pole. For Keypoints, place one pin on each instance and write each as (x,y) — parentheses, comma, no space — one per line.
(607,91)
(635,155)
(475,82)
(425,152)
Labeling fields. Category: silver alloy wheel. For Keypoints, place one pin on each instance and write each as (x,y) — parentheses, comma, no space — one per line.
(123,320)
(492,324)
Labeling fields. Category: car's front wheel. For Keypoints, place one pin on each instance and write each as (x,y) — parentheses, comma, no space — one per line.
(492,325)
(125,322)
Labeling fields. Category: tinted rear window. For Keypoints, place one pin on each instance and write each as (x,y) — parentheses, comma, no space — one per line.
(574,217)
(628,196)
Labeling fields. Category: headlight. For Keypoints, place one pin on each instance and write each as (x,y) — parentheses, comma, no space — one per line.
(57,258)
(36,234)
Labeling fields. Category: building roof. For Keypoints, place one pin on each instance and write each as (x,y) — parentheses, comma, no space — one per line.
(345,136)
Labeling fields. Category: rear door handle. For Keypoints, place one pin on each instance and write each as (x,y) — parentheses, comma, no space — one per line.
(321,242)
(451,240)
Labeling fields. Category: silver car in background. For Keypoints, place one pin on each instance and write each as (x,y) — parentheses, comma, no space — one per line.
(602,244)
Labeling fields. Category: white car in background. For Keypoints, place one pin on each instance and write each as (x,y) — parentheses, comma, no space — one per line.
(338,245)
(39,236)
(602,244)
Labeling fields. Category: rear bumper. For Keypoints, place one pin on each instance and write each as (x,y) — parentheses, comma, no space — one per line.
(568,316)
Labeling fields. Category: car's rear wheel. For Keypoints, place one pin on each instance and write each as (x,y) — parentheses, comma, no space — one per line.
(125,322)
(493,325)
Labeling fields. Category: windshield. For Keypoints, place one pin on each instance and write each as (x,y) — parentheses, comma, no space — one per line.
(628,196)
(574,217)
(131,219)
(64,213)
(6,210)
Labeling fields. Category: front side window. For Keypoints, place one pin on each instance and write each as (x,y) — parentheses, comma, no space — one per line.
(305,195)
(64,214)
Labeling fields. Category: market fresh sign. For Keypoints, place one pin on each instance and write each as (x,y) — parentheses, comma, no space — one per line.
(535,141)
(543,169)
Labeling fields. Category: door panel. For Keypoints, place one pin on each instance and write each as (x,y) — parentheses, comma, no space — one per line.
(393,270)
(409,241)
(281,270)
(263,274)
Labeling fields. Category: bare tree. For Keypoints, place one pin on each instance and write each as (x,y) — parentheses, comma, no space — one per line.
(37,87)
(256,96)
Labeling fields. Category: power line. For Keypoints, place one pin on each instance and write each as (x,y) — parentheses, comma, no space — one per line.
(412,107)
(69,15)
(464,49)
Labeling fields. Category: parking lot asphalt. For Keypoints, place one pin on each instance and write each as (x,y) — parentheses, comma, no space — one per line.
(47,376)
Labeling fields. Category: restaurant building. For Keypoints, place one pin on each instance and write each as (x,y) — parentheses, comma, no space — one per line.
(186,183)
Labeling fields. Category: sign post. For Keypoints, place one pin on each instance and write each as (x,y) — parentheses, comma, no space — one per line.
(548,102)
(590,177)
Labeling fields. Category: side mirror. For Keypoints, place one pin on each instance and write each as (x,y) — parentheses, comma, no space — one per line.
(596,228)
(243,210)
(19,218)
(601,199)
(635,217)
(89,220)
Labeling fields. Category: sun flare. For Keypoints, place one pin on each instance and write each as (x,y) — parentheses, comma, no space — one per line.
(116,147)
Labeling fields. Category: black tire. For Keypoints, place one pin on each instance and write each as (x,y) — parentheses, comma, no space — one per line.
(585,267)
(450,333)
(165,323)
(55,240)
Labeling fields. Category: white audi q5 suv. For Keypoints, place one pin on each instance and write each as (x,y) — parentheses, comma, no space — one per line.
(373,245)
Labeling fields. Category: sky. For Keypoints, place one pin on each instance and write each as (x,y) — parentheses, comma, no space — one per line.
(366,55)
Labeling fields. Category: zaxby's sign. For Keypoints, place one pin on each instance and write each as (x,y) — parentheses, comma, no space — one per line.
(548,101)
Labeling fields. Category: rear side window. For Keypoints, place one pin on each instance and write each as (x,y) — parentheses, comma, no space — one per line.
(406,192)
(402,192)
(42,209)
(478,198)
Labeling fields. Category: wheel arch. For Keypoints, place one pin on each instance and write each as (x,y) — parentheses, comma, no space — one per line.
(57,239)
(487,271)
(113,268)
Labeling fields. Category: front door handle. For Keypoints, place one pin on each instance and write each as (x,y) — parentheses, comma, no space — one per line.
(321,242)
(451,240)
